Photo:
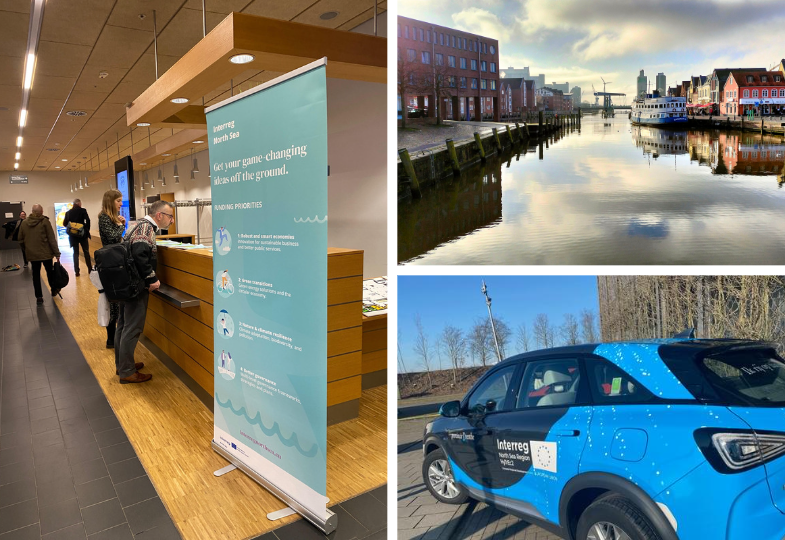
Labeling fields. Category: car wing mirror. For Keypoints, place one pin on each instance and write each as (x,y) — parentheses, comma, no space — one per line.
(490,405)
(451,409)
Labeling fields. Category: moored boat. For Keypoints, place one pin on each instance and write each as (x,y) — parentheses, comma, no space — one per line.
(659,111)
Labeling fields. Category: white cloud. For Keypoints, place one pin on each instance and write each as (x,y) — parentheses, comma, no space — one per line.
(482,22)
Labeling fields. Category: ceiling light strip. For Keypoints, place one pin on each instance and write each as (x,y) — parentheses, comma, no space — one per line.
(33,39)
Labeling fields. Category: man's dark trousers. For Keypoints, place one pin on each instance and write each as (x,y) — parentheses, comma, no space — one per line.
(85,243)
(130,325)
(48,266)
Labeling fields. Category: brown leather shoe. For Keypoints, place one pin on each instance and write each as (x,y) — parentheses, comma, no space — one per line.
(137,365)
(136,378)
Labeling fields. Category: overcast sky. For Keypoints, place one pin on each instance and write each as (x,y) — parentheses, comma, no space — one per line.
(579,41)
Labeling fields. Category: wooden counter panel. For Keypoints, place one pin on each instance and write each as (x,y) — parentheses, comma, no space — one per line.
(177,317)
(200,287)
(345,265)
(344,341)
(344,316)
(202,355)
(187,262)
(345,290)
(374,361)
(374,323)
(344,366)
(344,390)
(189,365)
(375,340)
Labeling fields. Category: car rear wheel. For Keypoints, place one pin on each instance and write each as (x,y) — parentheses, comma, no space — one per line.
(615,518)
(438,477)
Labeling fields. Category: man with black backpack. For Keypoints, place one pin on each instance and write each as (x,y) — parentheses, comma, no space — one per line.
(133,312)
(40,244)
(77,223)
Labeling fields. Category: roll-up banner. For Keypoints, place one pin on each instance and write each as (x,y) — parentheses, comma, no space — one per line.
(268,162)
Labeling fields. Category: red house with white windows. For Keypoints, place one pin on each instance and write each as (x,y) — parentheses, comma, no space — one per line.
(760,91)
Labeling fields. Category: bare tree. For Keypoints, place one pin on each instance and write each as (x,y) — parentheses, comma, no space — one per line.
(569,329)
(503,335)
(409,80)
(543,331)
(422,348)
(439,83)
(523,338)
(455,345)
(479,337)
(589,327)
(401,364)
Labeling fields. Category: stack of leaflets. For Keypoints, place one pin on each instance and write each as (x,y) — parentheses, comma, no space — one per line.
(375,296)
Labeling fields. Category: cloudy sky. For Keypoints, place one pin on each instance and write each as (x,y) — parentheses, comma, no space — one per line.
(579,41)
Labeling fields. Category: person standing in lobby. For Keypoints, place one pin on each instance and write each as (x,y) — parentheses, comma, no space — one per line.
(12,231)
(79,236)
(133,312)
(39,242)
(111,226)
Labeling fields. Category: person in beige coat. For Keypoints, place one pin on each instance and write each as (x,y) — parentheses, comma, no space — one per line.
(40,244)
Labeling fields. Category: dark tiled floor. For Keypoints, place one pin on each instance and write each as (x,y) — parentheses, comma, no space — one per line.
(67,470)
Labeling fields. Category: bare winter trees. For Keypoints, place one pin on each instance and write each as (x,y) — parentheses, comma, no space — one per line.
(422,348)
(455,346)
(543,331)
(569,330)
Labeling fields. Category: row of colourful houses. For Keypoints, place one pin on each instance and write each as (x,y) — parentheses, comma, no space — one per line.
(736,91)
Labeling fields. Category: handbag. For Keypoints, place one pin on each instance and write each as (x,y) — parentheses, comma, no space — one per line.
(76,229)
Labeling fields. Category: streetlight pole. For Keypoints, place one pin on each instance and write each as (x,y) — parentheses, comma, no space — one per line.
(433,70)
(490,316)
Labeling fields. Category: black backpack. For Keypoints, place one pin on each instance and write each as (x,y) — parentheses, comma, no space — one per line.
(59,277)
(119,276)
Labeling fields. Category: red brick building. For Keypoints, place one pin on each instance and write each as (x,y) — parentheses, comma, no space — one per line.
(462,68)
(760,91)
(552,99)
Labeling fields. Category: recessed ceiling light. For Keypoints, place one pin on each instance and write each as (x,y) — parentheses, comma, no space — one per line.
(143,164)
(241,58)
(143,124)
(198,142)
(18,155)
(63,160)
(57,167)
(16,165)
(19,140)
(166,155)
(328,15)
(103,75)
(180,100)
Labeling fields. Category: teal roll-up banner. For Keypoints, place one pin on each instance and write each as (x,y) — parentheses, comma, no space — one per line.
(268,162)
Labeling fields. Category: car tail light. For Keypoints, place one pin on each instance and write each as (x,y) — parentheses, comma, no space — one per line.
(734,451)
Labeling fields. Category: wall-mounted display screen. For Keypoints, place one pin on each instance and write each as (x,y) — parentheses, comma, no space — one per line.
(124,174)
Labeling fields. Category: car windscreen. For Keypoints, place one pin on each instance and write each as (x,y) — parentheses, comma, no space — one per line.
(747,377)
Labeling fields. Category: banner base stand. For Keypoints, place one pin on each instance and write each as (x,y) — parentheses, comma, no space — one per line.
(222,471)
(325,525)
(279,514)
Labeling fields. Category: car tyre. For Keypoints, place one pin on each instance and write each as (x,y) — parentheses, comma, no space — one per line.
(438,478)
(615,518)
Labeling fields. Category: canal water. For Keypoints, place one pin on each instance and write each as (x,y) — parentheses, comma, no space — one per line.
(608,193)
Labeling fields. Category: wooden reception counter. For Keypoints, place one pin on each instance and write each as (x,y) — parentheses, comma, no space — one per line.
(185,334)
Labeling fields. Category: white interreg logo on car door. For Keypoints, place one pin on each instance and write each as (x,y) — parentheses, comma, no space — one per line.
(544,455)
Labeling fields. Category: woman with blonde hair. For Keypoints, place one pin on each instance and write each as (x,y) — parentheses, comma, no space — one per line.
(111,225)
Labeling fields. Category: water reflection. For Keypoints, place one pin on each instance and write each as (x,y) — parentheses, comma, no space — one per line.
(612,193)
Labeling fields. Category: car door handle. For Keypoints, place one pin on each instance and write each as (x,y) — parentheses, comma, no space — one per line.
(567,433)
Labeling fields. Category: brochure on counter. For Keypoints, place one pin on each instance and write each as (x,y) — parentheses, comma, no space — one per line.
(375,296)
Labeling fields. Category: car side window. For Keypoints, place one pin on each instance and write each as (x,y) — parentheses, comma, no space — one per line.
(550,383)
(610,384)
(489,396)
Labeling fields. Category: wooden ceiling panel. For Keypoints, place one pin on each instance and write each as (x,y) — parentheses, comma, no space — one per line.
(78,22)
(60,59)
(365,16)
(126,13)
(44,105)
(143,71)
(17,6)
(346,9)
(13,28)
(50,87)
(81,100)
(11,97)
(90,80)
(32,131)
(218,6)
(275,9)
(119,48)
(125,92)
(12,69)
(185,31)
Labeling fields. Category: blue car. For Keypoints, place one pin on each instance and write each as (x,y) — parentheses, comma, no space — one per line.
(652,440)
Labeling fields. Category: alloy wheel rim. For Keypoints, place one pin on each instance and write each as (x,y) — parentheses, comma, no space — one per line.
(441,480)
(607,531)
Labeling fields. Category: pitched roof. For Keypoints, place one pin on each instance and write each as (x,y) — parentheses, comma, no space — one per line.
(741,76)
(724,73)
(529,84)
(515,82)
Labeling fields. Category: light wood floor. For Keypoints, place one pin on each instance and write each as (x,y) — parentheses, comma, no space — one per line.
(171,431)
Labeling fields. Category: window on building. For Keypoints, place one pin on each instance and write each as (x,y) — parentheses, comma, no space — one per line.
(782,92)
(484,84)
(474,65)
(493,67)
(411,54)
(406,32)
(426,57)
(747,93)
(765,93)
(427,36)
(483,66)
(439,59)
(451,61)
(400,54)
(493,49)
(463,63)
(422,34)
(441,39)
(755,93)
(452,81)
(749,78)
(474,84)
(764,78)
(777,78)
(463,82)
(485,48)
(435,33)
(464,43)
(453,42)
(493,84)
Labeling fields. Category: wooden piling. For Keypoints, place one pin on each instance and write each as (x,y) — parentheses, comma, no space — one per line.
(456,166)
(540,117)
(509,134)
(409,168)
(496,137)
(479,145)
